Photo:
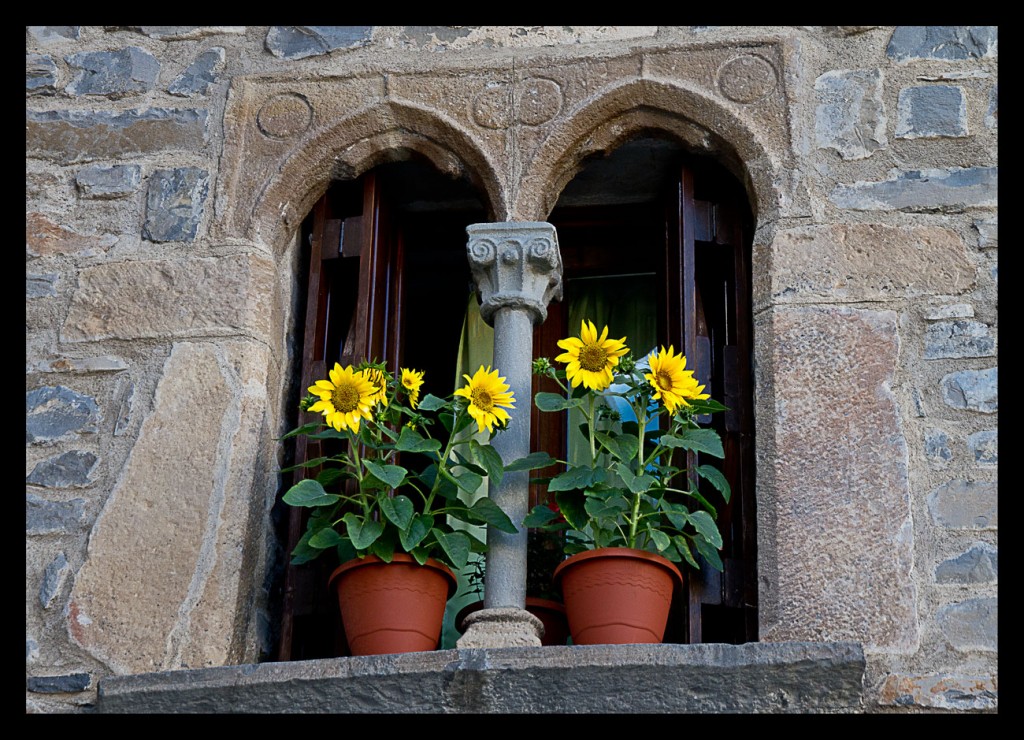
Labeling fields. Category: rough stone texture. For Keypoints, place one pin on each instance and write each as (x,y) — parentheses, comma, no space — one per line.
(108,181)
(174,204)
(963,504)
(44,237)
(46,35)
(102,364)
(41,285)
(980,564)
(603,679)
(984,447)
(936,446)
(31,651)
(182,32)
(958,339)
(501,627)
(50,517)
(113,73)
(909,43)
(931,111)
(77,136)
(971,624)
(866,262)
(69,470)
(171,298)
(54,411)
(837,500)
(975,390)
(953,311)
(40,75)
(124,411)
(988,233)
(64,684)
(992,114)
(923,190)
(941,691)
(850,116)
(147,596)
(198,76)
(298,42)
(53,579)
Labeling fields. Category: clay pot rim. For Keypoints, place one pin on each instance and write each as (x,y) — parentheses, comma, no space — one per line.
(619,552)
(401,558)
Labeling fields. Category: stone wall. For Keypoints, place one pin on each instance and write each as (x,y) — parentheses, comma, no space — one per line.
(168,169)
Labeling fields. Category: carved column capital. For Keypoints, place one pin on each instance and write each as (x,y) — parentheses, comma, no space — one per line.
(515,264)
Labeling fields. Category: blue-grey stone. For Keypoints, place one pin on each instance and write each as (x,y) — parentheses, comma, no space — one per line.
(963,504)
(980,564)
(297,42)
(52,34)
(942,42)
(198,76)
(108,181)
(124,411)
(40,75)
(915,396)
(113,73)
(53,579)
(923,190)
(51,517)
(992,115)
(936,446)
(76,136)
(40,285)
(952,311)
(64,684)
(850,116)
(984,447)
(70,470)
(53,411)
(988,233)
(31,650)
(958,339)
(974,390)
(970,624)
(174,204)
(928,111)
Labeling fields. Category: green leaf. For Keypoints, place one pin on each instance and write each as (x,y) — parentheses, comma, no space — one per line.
(661,540)
(488,512)
(539,516)
(329,434)
(714,476)
(490,459)
(468,481)
(531,462)
(390,475)
(555,402)
(303,553)
(704,524)
(709,553)
(307,464)
(608,508)
(677,514)
(698,440)
(419,528)
(580,477)
(412,441)
(431,402)
(622,446)
(362,533)
(455,546)
(683,545)
(383,548)
(327,476)
(399,509)
(572,505)
(635,483)
(309,493)
(325,538)
(705,406)
(304,429)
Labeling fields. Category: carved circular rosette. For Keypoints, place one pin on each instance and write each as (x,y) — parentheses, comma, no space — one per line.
(510,252)
(481,252)
(284,115)
(747,79)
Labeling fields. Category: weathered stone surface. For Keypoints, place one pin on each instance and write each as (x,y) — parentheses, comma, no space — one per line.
(198,76)
(53,578)
(149,598)
(69,470)
(40,285)
(941,691)
(923,190)
(45,237)
(975,390)
(298,42)
(124,410)
(181,32)
(113,73)
(440,38)
(971,624)
(958,339)
(936,446)
(101,364)
(174,204)
(50,517)
(171,298)
(40,75)
(31,650)
(77,136)
(952,311)
(980,564)
(962,504)
(942,42)
(992,114)
(984,447)
(931,111)
(108,181)
(64,684)
(988,233)
(52,34)
(850,116)
(837,497)
(867,262)
(54,411)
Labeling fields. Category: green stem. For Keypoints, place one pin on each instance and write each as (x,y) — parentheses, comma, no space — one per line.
(634,520)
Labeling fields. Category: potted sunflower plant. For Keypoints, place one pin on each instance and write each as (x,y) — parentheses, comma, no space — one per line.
(631,514)
(385,501)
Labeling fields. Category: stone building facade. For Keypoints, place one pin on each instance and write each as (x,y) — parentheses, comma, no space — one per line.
(168,170)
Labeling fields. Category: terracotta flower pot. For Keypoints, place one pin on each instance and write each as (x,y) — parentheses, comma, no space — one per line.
(550,613)
(395,607)
(616,595)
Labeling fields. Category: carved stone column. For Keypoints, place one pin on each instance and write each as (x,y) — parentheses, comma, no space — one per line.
(517,268)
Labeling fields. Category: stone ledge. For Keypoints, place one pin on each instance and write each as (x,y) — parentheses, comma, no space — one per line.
(788,677)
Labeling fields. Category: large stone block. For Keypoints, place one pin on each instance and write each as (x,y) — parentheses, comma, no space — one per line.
(113,73)
(971,624)
(931,111)
(834,521)
(44,237)
(298,42)
(951,189)
(973,390)
(71,469)
(172,298)
(941,691)
(909,43)
(52,517)
(198,76)
(40,75)
(53,411)
(850,116)
(108,181)
(980,564)
(962,504)
(958,339)
(174,204)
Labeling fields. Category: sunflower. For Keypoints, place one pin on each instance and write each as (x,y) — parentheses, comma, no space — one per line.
(673,384)
(488,396)
(412,381)
(590,358)
(344,399)
(379,380)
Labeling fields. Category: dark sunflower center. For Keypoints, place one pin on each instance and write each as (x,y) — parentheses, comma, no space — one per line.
(664,380)
(345,398)
(593,358)
(481,399)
